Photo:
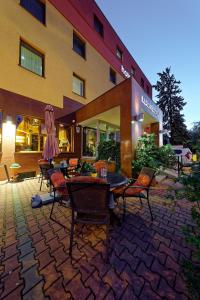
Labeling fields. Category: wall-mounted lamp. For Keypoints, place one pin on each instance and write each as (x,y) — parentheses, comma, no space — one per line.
(138,118)
(78,128)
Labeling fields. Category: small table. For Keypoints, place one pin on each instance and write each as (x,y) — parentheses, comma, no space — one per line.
(116,179)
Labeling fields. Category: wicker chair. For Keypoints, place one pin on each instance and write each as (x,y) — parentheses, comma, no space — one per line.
(60,192)
(90,205)
(44,168)
(135,189)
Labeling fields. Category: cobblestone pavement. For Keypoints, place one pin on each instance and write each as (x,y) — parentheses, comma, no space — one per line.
(145,256)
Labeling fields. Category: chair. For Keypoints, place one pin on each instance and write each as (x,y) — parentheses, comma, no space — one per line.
(74,165)
(42,161)
(90,204)
(136,189)
(60,191)
(98,165)
(44,168)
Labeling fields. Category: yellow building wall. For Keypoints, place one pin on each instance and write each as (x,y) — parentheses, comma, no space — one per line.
(55,41)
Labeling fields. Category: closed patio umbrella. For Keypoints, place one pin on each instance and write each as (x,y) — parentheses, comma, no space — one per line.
(51,148)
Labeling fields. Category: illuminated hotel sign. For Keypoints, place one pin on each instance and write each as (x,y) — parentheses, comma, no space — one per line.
(148,104)
(126,73)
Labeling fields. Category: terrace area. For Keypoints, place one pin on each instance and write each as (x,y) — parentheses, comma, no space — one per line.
(145,256)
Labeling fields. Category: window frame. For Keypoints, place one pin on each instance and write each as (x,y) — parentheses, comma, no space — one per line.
(42,121)
(35,51)
(98,24)
(84,85)
(120,56)
(72,129)
(77,36)
(42,4)
(112,72)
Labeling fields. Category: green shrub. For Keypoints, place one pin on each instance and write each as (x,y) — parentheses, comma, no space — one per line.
(109,150)
(191,268)
(148,154)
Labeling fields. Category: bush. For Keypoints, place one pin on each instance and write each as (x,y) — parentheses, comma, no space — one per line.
(109,150)
(148,154)
(191,268)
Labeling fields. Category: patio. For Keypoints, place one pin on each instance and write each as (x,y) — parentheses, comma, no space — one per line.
(145,256)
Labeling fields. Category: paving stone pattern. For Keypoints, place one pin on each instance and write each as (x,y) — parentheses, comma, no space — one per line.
(145,256)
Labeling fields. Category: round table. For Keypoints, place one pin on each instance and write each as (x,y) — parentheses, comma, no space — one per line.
(116,179)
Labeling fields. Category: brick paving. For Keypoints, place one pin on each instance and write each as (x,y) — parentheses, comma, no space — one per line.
(145,256)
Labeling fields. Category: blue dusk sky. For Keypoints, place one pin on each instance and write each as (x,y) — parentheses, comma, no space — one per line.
(162,33)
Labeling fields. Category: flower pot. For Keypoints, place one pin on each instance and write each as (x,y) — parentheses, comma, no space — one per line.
(111,166)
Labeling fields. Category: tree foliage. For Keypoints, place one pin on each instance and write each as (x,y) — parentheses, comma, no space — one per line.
(171,103)
(194,138)
(148,154)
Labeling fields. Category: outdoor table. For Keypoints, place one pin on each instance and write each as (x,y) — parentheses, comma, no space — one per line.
(116,180)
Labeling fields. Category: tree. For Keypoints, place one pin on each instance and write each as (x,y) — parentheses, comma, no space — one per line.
(194,138)
(171,103)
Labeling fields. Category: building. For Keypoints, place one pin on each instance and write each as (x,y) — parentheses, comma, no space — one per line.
(66,53)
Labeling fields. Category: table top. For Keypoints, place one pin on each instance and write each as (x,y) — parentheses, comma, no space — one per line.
(116,179)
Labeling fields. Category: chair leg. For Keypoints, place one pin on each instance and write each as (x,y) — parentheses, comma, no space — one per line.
(107,244)
(124,206)
(71,236)
(52,209)
(141,201)
(41,184)
(150,208)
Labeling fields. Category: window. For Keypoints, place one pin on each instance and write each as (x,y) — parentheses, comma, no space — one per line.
(31,59)
(119,53)
(78,45)
(1,123)
(30,134)
(78,86)
(98,26)
(142,82)
(89,141)
(112,76)
(66,138)
(132,71)
(148,90)
(36,8)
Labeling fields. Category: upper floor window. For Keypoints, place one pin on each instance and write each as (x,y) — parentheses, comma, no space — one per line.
(36,8)
(112,76)
(30,134)
(98,26)
(119,53)
(78,85)
(1,123)
(142,82)
(31,59)
(78,45)
(132,71)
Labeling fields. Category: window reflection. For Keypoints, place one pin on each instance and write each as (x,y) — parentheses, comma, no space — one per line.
(30,134)
(66,138)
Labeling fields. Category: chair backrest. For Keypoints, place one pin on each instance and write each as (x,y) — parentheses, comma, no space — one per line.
(59,182)
(73,162)
(43,161)
(145,177)
(44,168)
(98,165)
(58,179)
(89,197)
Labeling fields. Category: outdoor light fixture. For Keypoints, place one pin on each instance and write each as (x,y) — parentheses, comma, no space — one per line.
(138,118)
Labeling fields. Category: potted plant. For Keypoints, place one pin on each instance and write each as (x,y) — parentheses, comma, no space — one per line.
(87,169)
